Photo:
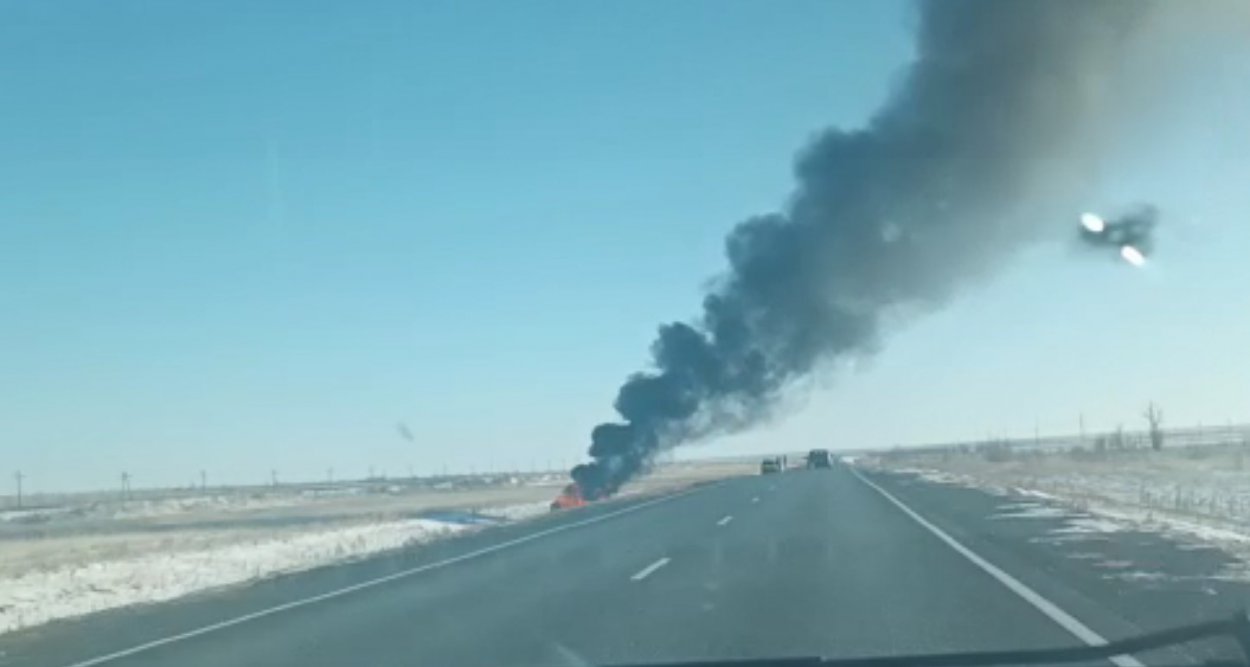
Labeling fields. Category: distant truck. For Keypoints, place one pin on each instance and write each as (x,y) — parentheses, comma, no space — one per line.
(819,458)
(773,465)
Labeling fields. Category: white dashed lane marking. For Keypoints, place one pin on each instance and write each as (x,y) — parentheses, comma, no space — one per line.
(725,520)
(646,571)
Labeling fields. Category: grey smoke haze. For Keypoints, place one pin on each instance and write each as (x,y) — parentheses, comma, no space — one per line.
(891,218)
(1134,229)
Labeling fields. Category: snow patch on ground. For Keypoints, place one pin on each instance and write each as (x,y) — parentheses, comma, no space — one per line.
(205,547)
(1030,511)
(142,509)
(1075,523)
(1034,493)
(519,511)
(40,596)
(34,515)
(1142,575)
(1094,505)
(1082,525)
(953,479)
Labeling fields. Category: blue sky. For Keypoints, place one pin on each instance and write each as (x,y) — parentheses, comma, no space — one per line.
(242,236)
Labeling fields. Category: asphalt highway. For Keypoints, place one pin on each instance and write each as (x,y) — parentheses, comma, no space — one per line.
(833,563)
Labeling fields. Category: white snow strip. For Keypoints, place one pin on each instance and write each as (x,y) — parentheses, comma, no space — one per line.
(1207,507)
(1132,518)
(940,477)
(725,520)
(141,509)
(1034,493)
(34,514)
(36,597)
(517,512)
(1031,511)
(40,596)
(1141,575)
(1089,525)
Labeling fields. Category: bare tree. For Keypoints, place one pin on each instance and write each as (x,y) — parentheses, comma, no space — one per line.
(1154,419)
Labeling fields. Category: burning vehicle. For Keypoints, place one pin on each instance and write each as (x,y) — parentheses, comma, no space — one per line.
(570,497)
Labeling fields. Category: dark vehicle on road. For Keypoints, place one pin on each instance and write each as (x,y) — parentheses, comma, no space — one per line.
(770,466)
(819,458)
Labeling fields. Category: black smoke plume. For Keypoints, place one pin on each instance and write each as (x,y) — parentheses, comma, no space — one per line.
(1135,229)
(885,220)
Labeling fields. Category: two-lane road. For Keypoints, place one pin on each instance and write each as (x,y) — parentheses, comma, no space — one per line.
(804,563)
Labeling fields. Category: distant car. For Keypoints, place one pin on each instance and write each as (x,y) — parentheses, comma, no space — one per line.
(819,458)
(770,466)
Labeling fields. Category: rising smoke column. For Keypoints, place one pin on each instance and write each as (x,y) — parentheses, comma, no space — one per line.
(886,219)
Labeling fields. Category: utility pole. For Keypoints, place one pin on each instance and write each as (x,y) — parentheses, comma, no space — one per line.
(273,477)
(1081,421)
(125,485)
(203,481)
(18,476)
(329,475)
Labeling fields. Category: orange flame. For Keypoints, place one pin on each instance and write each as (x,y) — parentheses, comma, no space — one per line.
(569,498)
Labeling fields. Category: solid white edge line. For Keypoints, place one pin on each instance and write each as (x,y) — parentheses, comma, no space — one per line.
(725,520)
(1050,609)
(238,620)
(646,571)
